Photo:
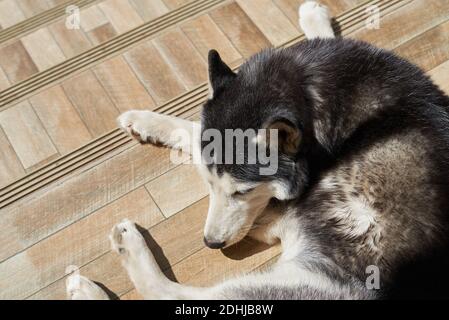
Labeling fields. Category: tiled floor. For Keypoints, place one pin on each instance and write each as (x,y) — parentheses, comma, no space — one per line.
(54,42)
(15,11)
(66,222)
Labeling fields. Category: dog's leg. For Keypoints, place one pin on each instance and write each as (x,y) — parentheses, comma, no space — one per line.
(151,282)
(315,21)
(275,283)
(143,269)
(81,288)
(148,126)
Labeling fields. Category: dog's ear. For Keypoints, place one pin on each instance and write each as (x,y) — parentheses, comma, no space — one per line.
(220,74)
(289,135)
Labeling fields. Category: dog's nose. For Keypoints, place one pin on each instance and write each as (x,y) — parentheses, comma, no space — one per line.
(214,244)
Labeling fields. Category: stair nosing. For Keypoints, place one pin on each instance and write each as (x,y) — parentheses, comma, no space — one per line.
(107,49)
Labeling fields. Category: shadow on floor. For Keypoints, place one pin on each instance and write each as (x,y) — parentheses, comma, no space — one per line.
(244,249)
(158,253)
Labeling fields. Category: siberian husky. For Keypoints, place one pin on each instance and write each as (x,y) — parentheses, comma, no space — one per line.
(361,186)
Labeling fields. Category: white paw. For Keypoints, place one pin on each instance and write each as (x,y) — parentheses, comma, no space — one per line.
(314,20)
(126,240)
(145,126)
(81,288)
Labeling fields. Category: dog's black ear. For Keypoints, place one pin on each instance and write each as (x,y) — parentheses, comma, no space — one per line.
(289,135)
(220,74)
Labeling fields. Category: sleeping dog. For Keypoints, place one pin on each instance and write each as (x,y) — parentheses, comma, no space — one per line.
(360,185)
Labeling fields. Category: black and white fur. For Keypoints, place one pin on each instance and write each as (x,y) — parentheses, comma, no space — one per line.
(362,180)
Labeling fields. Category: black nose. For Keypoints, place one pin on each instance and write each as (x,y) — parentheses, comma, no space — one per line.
(214,245)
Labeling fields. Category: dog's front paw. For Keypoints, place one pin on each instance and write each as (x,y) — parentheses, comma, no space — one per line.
(81,288)
(126,240)
(145,126)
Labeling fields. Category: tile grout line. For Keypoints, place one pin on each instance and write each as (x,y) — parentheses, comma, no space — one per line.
(152,198)
(131,69)
(12,147)
(70,100)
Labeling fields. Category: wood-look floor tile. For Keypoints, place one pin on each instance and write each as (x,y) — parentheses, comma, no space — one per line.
(60,119)
(43,49)
(92,17)
(42,163)
(10,13)
(173,4)
(32,7)
(183,181)
(440,75)
(122,85)
(16,62)
(150,9)
(4,81)
(71,41)
(205,35)
(208,267)
(270,20)
(428,49)
(94,105)
(54,3)
(26,134)
(10,167)
(290,9)
(101,34)
(242,32)
(406,23)
(183,58)
(131,295)
(120,14)
(75,245)
(337,7)
(154,72)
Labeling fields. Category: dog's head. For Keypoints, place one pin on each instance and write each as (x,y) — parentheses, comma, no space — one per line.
(265,94)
